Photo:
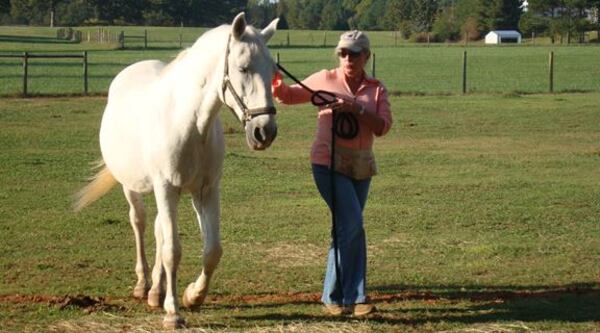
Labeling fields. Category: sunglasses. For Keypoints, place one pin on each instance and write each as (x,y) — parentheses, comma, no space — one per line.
(347,53)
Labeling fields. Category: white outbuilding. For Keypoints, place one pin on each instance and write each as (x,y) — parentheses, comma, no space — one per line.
(503,37)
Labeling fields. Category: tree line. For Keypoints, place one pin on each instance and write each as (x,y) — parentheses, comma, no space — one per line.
(437,20)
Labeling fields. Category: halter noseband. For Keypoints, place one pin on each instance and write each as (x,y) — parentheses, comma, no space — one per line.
(248,113)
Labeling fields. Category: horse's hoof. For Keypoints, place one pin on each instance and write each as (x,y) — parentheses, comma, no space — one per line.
(140,291)
(190,299)
(173,321)
(155,299)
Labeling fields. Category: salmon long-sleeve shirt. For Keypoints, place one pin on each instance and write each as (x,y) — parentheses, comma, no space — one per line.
(371,94)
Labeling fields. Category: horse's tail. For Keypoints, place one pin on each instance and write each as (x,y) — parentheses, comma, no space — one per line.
(99,185)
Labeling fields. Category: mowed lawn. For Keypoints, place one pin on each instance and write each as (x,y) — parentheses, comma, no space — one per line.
(484,217)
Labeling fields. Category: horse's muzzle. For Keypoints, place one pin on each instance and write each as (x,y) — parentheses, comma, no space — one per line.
(261,131)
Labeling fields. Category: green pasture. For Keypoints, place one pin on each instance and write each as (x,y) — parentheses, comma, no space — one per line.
(484,217)
(405,68)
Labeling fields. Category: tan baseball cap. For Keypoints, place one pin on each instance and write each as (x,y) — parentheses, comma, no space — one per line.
(354,41)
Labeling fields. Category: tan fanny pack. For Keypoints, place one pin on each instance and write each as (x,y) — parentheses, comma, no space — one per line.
(358,164)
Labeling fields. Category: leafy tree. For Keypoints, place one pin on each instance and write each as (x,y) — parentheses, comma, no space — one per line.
(564,17)
(117,11)
(294,8)
(533,23)
(332,17)
(260,12)
(73,12)
(369,14)
(423,15)
(446,27)
(33,12)
(398,14)
(4,6)
(500,14)
(311,14)
(595,6)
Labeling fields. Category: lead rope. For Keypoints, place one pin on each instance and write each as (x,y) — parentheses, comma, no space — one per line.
(344,125)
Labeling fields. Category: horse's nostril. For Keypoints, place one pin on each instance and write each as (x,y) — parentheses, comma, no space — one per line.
(258,135)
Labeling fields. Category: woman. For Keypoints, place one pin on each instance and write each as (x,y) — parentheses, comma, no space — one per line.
(366,99)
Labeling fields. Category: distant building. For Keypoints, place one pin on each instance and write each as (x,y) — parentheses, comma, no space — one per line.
(503,37)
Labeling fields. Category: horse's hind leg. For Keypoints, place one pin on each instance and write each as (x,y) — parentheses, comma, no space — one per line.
(206,205)
(137,218)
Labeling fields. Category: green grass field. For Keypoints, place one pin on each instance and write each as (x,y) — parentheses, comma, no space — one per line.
(485,217)
(404,67)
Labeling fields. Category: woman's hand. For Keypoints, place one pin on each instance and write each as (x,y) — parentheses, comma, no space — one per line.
(369,119)
(277,80)
(344,105)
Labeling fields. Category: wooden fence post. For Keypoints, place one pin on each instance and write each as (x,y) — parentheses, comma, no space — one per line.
(122,40)
(85,73)
(373,66)
(551,72)
(25,65)
(278,58)
(464,73)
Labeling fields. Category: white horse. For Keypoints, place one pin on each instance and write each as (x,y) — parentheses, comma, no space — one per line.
(161,132)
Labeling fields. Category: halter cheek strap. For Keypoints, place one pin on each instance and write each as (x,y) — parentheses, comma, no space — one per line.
(248,114)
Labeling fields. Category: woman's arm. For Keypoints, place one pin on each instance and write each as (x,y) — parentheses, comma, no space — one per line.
(285,94)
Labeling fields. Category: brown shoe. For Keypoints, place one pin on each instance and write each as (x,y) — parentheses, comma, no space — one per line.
(363,309)
(333,309)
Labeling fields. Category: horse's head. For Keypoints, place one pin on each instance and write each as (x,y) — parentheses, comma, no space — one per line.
(246,89)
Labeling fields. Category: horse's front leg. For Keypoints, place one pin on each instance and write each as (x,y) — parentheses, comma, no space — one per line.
(206,205)
(156,294)
(167,197)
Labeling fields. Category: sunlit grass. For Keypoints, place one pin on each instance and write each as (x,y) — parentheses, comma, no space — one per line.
(484,215)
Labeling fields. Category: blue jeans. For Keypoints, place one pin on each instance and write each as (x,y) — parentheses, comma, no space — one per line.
(351,196)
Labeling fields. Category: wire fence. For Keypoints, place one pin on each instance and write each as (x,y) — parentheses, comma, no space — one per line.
(404,70)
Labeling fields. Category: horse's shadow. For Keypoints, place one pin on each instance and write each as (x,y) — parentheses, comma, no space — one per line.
(574,303)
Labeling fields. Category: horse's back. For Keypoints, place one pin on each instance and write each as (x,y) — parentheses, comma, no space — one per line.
(138,77)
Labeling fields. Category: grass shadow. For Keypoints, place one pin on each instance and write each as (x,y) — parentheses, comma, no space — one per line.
(575,303)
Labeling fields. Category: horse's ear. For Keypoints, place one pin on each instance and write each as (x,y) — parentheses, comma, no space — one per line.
(238,27)
(269,31)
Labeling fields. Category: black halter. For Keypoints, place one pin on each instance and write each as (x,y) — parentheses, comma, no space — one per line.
(248,113)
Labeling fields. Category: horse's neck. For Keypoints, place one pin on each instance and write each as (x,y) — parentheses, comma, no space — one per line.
(193,83)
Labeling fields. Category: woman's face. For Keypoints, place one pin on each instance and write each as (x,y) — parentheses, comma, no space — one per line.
(353,63)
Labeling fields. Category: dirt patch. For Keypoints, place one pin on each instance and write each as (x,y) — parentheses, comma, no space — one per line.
(87,303)
(93,304)
(266,298)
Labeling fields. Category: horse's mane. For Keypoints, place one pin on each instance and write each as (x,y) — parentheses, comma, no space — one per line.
(200,42)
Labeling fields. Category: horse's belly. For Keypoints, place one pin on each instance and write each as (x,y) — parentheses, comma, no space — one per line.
(123,156)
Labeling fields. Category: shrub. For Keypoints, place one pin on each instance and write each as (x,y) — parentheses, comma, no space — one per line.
(422,37)
(471,29)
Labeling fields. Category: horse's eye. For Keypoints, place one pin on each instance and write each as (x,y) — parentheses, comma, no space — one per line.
(243,70)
